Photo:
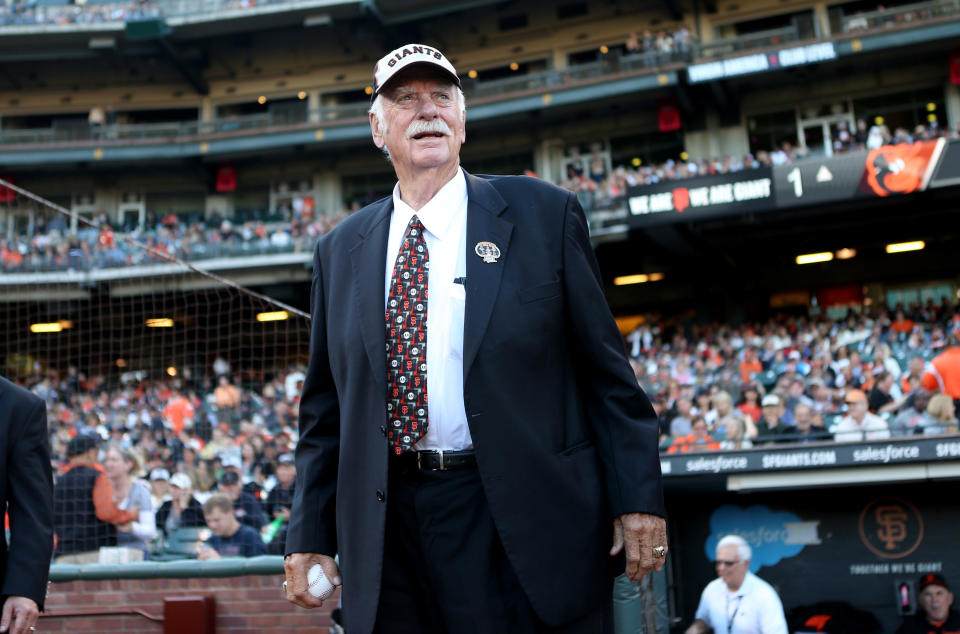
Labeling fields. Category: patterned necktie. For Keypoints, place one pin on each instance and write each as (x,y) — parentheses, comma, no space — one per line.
(406,321)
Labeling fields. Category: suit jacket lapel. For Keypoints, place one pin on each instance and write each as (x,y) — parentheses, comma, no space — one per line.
(484,206)
(368,258)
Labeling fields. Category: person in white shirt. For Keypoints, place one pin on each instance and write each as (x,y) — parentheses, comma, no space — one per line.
(738,601)
(859,424)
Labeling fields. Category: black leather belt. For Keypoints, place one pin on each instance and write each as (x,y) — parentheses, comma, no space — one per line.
(434,460)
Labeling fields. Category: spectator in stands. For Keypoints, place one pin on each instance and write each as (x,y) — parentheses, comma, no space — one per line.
(750,403)
(228,398)
(85,512)
(913,377)
(681,423)
(879,398)
(859,424)
(246,507)
(941,416)
(735,432)
(280,499)
(182,510)
(159,486)
(122,467)
(913,417)
(697,440)
(754,602)
(936,614)
(806,430)
(943,372)
(230,538)
(773,429)
(750,365)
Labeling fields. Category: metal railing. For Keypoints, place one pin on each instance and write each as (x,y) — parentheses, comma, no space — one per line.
(183,130)
(760,39)
(96,14)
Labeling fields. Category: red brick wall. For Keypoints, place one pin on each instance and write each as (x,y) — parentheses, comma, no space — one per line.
(244,605)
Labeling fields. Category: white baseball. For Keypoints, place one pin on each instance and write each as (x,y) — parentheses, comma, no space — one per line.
(317,583)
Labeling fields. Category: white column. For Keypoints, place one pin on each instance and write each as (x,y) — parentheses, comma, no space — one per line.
(952,94)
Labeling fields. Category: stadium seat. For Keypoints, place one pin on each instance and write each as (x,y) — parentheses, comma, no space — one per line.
(183,543)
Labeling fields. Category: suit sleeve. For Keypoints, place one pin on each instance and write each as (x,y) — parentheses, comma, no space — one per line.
(622,419)
(30,504)
(313,514)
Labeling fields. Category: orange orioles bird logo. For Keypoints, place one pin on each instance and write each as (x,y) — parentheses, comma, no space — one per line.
(898,169)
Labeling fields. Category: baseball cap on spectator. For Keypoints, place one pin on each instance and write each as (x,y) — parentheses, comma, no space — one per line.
(794,354)
(285,458)
(855,396)
(770,400)
(932,579)
(82,443)
(181,480)
(230,477)
(408,55)
(231,462)
(159,474)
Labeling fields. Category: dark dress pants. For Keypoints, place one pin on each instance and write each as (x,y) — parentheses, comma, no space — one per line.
(445,570)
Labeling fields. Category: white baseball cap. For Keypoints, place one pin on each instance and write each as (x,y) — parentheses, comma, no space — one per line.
(407,55)
(181,480)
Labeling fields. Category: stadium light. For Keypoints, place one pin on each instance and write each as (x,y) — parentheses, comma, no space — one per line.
(278,315)
(261,100)
(302,95)
(472,73)
(121,363)
(171,371)
(902,247)
(54,327)
(604,49)
(846,254)
(810,258)
(160,322)
(320,19)
(514,66)
(623,280)
(656,277)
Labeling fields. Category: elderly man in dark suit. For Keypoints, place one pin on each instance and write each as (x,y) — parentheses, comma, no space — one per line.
(489,506)
(26,492)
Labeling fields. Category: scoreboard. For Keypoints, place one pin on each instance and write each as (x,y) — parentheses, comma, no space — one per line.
(890,170)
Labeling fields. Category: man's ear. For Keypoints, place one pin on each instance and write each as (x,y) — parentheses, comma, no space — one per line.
(375,131)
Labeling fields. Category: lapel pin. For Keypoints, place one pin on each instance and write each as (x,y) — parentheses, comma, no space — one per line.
(488,251)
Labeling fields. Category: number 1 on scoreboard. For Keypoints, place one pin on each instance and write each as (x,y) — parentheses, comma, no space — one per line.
(793,176)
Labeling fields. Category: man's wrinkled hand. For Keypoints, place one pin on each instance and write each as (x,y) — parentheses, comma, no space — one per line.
(296,566)
(638,534)
(19,615)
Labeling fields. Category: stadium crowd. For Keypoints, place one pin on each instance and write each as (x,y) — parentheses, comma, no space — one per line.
(29,12)
(170,446)
(598,187)
(796,379)
(52,247)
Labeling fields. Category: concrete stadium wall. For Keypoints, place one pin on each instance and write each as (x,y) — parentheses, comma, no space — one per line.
(244,605)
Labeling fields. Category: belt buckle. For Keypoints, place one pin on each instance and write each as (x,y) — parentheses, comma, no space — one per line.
(442,467)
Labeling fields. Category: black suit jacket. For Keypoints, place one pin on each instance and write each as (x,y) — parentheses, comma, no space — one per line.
(565,439)
(26,491)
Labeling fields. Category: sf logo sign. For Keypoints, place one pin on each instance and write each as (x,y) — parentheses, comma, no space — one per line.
(891,527)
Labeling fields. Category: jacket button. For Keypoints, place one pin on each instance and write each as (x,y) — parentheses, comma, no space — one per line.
(383,430)
(380,495)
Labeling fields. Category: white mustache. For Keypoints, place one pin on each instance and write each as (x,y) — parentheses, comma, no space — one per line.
(421,126)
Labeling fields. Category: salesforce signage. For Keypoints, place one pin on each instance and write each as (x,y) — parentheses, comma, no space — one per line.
(761,62)
(813,457)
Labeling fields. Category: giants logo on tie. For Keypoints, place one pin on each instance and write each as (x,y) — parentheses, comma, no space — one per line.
(406,333)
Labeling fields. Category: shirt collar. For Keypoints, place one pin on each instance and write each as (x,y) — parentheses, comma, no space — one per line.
(438,214)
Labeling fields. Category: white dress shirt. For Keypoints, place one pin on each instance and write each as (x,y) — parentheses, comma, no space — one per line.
(871,428)
(754,608)
(445,221)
